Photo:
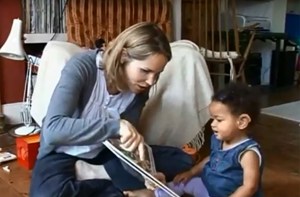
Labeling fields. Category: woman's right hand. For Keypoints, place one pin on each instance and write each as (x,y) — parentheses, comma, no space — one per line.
(183,177)
(131,139)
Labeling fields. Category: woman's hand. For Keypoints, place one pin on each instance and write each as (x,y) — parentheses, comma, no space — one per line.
(183,177)
(131,139)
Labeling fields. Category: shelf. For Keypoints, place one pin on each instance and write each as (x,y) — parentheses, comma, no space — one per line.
(44,38)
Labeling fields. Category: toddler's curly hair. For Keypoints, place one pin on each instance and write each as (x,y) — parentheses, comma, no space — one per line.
(240,99)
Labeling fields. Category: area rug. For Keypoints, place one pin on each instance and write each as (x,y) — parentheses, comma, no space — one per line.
(290,111)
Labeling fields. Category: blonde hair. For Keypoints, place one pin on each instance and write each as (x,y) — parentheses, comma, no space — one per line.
(136,42)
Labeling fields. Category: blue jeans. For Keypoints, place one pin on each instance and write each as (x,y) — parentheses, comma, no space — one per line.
(54,175)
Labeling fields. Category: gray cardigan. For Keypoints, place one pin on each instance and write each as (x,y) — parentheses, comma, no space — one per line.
(62,125)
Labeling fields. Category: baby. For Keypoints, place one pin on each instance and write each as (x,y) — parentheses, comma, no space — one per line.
(234,167)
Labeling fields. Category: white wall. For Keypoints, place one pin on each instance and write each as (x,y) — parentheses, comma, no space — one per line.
(278,16)
(275,10)
(293,6)
(255,8)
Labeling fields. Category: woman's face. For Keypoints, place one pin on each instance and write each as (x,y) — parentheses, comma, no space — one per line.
(142,74)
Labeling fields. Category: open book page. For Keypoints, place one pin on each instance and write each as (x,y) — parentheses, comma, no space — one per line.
(143,170)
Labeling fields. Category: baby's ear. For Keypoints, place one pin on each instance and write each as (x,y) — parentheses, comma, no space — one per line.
(243,121)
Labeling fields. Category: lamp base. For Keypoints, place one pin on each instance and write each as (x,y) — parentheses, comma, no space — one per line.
(25,130)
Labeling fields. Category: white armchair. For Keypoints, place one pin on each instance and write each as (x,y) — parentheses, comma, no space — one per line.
(177,108)
(54,57)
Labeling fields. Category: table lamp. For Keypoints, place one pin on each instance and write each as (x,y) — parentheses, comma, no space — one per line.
(13,49)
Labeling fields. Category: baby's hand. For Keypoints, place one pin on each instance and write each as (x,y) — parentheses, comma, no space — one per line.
(183,177)
(139,193)
(160,176)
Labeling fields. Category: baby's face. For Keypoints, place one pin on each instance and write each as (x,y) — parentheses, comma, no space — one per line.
(224,123)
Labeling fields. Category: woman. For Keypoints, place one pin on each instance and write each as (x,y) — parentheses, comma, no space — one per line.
(100,95)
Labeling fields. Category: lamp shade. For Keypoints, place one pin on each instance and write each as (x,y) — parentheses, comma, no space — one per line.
(13,47)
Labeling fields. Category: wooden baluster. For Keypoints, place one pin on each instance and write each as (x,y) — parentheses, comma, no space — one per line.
(200,30)
(206,28)
(194,21)
(219,26)
(235,27)
(212,28)
(226,11)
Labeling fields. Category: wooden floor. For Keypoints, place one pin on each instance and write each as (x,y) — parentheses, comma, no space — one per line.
(280,142)
(279,139)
